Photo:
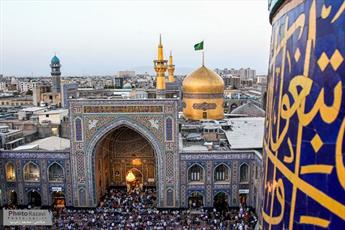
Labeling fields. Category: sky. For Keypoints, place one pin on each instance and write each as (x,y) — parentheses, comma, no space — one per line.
(102,37)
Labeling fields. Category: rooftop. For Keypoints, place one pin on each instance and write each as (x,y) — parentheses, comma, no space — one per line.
(52,143)
(33,109)
(54,111)
(246,133)
(249,109)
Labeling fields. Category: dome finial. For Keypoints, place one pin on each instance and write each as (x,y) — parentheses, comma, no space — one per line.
(55,60)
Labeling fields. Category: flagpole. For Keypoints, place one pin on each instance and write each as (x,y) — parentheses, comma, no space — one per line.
(203,58)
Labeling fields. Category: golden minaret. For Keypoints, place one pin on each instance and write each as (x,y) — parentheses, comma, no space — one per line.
(160,66)
(171,69)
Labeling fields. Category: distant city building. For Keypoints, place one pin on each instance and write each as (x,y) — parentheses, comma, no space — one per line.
(126,74)
(235,82)
(29,112)
(243,73)
(15,101)
(10,138)
(247,82)
(261,79)
(119,82)
(53,116)
(3,86)
(37,93)
(247,73)
(25,86)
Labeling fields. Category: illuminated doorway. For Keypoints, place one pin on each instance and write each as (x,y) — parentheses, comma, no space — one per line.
(124,159)
(134,179)
(243,199)
(58,199)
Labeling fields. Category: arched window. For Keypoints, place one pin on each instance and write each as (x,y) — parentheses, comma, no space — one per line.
(195,173)
(78,130)
(169,129)
(31,172)
(55,173)
(221,173)
(10,172)
(244,173)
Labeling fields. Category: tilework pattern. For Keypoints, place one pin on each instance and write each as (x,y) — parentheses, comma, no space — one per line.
(209,189)
(304,174)
(44,187)
(151,125)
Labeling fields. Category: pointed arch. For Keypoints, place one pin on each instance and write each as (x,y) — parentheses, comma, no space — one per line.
(147,134)
(55,172)
(10,171)
(244,173)
(196,173)
(31,172)
(221,173)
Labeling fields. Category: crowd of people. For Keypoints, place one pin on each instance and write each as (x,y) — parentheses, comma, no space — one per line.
(136,210)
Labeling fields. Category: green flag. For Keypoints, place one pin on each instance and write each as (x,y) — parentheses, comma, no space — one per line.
(199,46)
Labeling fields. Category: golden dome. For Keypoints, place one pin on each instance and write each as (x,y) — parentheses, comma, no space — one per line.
(203,80)
(203,95)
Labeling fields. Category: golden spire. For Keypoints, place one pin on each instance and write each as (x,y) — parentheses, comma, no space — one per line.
(160,49)
(170,58)
(171,69)
(160,66)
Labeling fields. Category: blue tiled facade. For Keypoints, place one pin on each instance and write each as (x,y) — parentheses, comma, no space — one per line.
(92,121)
(43,186)
(304,174)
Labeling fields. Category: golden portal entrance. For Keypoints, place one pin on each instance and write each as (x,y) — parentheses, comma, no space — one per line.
(134,179)
(124,158)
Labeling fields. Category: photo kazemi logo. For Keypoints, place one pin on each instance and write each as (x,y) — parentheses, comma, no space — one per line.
(25,217)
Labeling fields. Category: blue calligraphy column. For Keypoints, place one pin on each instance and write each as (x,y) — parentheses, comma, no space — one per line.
(304,173)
